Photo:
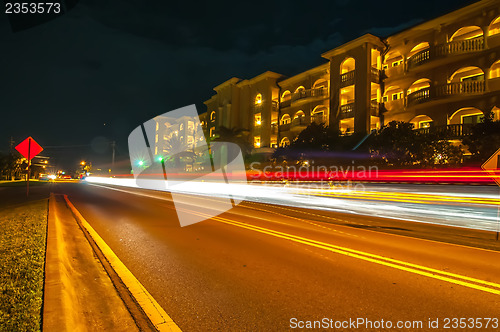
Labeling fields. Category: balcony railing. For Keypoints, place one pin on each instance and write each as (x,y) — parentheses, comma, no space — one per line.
(347,111)
(461,46)
(347,79)
(319,118)
(419,58)
(450,89)
(375,75)
(450,48)
(285,103)
(374,108)
(301,121)
(419,96)
(468,87)
(284,127)
(452,131)
(317,92)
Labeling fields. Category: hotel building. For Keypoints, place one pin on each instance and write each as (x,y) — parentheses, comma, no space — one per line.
(443,74)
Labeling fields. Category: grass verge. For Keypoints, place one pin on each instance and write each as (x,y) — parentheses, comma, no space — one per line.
(22,256)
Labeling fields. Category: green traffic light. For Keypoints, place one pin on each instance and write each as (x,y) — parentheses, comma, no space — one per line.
(140,162)
(160,158)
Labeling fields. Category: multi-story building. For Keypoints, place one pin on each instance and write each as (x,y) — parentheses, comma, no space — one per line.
(248,105)
(443,73)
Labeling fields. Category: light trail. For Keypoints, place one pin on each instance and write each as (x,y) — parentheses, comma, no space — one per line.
(473,211)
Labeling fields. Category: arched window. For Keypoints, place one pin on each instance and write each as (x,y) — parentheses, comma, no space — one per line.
(418,48)
(321,83)
(285,119)
(421,122)
(347,65)
(212,116)
(286,96)
(392,93)
(419,85)
(299,114)
(495,70)
(300,88)
(494,27)
(284,142)
(392,59)
(467,116)
(467,33)
(467,74)
(258,99)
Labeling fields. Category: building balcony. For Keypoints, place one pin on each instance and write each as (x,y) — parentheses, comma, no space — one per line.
(453,130)
(375,75)
(284,127)
(299,122)
(318,119)
(374,108)
(346,111)
(418,97)
(318,92)
(443,50)
(347,79)
(285,103)
(310,93)
(468,87)
(440,91)
(258,108)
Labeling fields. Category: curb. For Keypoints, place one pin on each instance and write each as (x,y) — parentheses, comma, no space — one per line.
(154,312)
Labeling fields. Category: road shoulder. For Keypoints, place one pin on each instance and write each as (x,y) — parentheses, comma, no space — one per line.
(78,293)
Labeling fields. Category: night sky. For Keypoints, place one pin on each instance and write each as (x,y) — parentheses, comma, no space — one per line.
(97,72)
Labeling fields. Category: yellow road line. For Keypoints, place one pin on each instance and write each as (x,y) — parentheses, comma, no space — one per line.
(160,319)
(474,283)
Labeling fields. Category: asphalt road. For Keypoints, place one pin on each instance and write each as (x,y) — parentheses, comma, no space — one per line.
(257,266)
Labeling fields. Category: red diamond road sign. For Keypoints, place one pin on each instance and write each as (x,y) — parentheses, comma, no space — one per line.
(29,148)
(492,166)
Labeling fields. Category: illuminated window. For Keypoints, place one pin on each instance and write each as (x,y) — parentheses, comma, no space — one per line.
(256,141)
(397,63)
(284,142)
(472,119)
(495,70)
(258,99)
(212,132)
(285,119)
(212,116)
(494,27)
(258,119)
(396,96)
(286,96)
(425,124)
(182,126)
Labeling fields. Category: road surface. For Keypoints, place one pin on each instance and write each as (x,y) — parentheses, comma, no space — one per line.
(266,267)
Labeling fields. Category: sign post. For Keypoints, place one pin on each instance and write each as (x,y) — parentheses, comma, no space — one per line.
(492,166)
(29,148)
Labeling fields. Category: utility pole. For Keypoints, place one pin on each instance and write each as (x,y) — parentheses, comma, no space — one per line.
(11,143)
(113,145)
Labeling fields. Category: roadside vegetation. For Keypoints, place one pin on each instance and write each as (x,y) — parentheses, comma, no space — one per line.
(22,256)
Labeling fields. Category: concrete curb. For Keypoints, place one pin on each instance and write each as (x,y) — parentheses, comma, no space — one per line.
(78,293)
(155,313)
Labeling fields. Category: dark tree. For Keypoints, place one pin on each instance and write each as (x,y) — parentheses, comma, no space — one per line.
(484,139)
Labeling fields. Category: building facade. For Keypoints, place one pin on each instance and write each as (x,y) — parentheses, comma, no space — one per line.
(443,73)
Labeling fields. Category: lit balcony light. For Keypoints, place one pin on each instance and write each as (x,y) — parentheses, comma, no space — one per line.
(258,122)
